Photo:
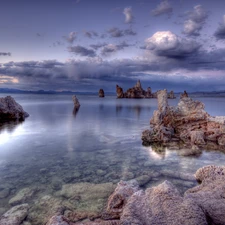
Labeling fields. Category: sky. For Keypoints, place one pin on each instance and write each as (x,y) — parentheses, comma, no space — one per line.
(85,45)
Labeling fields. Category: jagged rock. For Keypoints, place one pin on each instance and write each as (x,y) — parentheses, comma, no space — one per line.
(119,92)
(15,215)
(187,122)
(118,200)
(138,92)
(76,102)
(11,110)
(184,95)
(22,196)
(101,93)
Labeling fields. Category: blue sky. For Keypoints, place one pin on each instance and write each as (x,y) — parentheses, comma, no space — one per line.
(84,45)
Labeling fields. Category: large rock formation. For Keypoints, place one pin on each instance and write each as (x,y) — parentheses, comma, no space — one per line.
(188,123)
(163,204)
(138,92)
(11,110)
(76,102)
(101,93)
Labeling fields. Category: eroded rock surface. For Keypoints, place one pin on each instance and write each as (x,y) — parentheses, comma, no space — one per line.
(188,122)
(11,110)
(15,215)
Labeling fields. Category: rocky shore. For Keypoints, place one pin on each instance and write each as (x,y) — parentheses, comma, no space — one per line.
(11,110)
(128,203)
(138,92)
(187,123)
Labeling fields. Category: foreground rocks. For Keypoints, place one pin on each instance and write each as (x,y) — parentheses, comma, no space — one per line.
(138,92)
(101,93)
(11,110)
(163,204)
(187,123)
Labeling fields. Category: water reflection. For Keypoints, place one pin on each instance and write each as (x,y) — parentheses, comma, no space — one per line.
(9,126)
(75,111)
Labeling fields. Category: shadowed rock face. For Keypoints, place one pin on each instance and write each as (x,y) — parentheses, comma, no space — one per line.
(11,110)
(76,102)
(101,93)
(138,92)
(163,204)
(188,122)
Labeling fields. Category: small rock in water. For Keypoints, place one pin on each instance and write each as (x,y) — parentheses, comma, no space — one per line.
(4,192)
(101,172)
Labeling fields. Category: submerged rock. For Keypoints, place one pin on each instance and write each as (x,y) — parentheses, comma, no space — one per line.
(15,215)
(76,102)
(11,110)
(188,122)
(138,92)
(58,220)
(101,93)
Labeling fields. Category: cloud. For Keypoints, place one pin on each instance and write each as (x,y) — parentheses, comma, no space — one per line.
(220,32)
(129,18)
(98,46)
(82,51)
(116,32)
(113,48)
(168,44)
(5,54)
(90,34)
(163,8)
(195,21)
(71,37)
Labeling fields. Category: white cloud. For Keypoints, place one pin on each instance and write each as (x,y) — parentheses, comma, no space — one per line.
(128,15)
(163,8)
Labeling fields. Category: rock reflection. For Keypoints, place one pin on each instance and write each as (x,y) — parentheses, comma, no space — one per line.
(137,109)
(9,126)
(75,111)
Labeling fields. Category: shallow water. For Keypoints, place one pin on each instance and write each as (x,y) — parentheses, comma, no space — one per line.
(100,143)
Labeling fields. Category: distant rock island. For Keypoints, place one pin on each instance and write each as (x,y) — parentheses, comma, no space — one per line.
(138,92)
(11,110)
(101,93)
(187,123)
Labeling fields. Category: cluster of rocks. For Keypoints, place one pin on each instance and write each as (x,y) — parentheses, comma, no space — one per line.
(186,123)
(138,92)
(162,204)
(11,110)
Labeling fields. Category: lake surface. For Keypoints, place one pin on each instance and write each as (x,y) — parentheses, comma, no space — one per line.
(100,143)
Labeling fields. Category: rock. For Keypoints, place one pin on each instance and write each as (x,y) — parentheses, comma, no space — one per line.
(101,93)
(4,192)
(143,179)
(118,200)
(15,215)
(193,151)
(87,197)
(210,194)
(119,92)
(11,110)
(171,95)
(101,172)
(58,220)
(76,102)
(22,196)
(138,92)
(162,205)
(184,95)
(187,123)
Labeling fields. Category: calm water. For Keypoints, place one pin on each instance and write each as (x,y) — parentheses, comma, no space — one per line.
(100,143)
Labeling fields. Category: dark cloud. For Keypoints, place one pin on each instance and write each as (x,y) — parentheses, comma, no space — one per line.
(82,51)
(5,54)
(116,32)
(38,34)
(129,18)
(113,48)
(195,21)
(220,32)
(91,34)
(168,44)
(163,8)
(98,46)
(71,37)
